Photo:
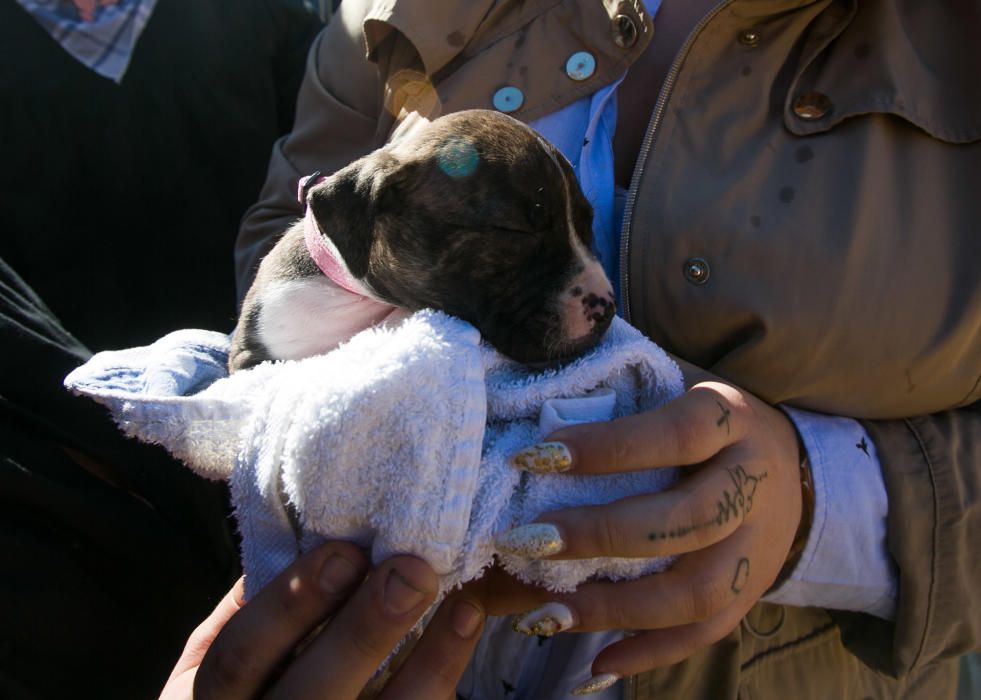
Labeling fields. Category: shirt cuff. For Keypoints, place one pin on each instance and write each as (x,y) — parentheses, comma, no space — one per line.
(845,564)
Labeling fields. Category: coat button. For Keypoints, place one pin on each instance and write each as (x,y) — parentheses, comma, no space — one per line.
(624,31)
(580,66)
(508,99)
(697,270)
(749,37)
(812,105)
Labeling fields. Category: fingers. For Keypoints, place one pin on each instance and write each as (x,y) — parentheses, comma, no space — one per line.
(688,430)
(500,593)
(204,634)
(707,607)
(693,605)
(698,588)
(339,659)
(281,615)
(439,659)
(657,648)
(346,653)
(703,509)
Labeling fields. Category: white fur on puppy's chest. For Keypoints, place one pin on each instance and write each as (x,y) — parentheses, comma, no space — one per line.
(310,316)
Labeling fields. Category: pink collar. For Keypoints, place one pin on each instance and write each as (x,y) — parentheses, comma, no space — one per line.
(322,251)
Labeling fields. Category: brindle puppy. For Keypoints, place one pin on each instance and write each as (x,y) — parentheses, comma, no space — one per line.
(474,214)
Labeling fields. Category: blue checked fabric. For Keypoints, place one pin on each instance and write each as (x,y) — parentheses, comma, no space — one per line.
(100,34)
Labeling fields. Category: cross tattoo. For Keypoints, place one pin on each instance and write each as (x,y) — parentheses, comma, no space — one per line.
(724,418)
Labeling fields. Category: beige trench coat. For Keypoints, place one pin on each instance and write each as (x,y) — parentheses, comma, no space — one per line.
(828,176)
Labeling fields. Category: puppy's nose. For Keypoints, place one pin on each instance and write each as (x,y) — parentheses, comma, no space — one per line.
(601,312)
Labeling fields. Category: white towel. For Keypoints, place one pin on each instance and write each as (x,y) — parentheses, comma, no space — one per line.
(397,440)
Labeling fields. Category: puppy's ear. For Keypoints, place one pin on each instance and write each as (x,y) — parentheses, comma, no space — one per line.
(344,207)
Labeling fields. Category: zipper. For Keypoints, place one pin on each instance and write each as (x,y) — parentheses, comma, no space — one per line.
(629,688)
(645,148)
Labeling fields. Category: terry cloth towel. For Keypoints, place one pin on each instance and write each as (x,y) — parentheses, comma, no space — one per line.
(397,440)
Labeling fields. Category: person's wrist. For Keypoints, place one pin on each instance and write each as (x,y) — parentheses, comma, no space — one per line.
(806,515)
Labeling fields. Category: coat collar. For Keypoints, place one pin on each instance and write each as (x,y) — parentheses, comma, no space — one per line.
(908,60)
(439,30)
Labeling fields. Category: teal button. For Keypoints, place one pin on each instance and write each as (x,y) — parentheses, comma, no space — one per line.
(508,99)
(580,66)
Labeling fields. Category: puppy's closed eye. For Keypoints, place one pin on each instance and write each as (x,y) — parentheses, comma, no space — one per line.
(529,217)
(531,225)
(538,217)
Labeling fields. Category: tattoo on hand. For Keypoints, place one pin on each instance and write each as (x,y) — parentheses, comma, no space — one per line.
(724,418)
(739,503)
(736,502)
(741,576)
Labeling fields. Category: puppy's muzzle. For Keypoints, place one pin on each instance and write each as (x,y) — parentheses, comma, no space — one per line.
(600,311)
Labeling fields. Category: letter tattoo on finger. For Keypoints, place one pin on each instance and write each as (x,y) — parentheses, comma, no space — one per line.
(741,576)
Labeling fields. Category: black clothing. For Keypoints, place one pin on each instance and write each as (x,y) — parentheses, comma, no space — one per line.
(119,204)
(100,584)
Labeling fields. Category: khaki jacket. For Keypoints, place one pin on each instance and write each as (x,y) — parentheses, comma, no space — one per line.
(822,160)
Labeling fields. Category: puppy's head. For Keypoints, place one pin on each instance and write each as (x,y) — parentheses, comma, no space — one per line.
(476,215)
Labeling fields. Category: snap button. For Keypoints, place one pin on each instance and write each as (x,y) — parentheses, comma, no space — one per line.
(580,66)
(508,99)
(749,37)
(697,270)
(624,31)
(812,105)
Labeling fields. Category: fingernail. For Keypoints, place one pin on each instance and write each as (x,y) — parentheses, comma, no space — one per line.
(533,541)
(337,575)
(401,595)
(596,684)
(543,458)
(466,618)
(545,621)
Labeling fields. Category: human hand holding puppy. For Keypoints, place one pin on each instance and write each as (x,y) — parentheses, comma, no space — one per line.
(278,645)
(732,517)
